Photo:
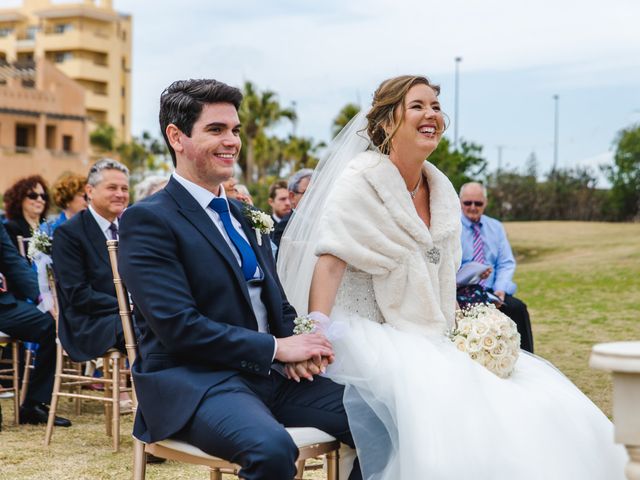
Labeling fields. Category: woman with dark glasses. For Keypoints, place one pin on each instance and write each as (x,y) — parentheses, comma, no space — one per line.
(26,203)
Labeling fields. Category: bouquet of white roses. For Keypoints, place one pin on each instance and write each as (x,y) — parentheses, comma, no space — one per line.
(39,252)
(489,337)
(40,243)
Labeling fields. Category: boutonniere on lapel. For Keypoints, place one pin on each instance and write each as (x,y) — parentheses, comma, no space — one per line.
(261,222)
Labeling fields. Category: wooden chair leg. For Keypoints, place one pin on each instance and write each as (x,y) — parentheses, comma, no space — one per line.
(333,459)
(108,409)
(299,470)
(215,474)
(54,396)
(15,362)
(115,419)
(26,375)
(78,389)
(139,460)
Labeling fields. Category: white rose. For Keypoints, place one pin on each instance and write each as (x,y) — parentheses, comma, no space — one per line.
(464,327)
(491,364)
(479,357)
(480,328)
(461,343)
(505,366)
(473,343)
(489,342)
(500,349)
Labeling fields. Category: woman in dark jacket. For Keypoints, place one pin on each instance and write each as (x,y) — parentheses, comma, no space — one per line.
(26,203)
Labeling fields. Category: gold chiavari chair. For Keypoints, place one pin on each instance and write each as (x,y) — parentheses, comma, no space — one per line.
(68,374)
(10,370)
(311,442)
(23,246)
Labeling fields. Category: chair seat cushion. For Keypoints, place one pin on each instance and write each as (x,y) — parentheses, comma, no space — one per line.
(302,436)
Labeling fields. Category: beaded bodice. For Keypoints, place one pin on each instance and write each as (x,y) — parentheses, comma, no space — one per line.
(356,295)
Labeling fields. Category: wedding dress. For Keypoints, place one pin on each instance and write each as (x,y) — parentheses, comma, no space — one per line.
(418,408)
(443,416)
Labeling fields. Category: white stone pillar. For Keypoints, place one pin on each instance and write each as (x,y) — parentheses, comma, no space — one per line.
(622,359)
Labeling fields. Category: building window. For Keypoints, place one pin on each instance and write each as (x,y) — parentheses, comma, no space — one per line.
(61,57)
(62,27)
(67,143)
(25,137)
(51,137)
(29,83)
(5,32)
(122,119)
(122,92)
(31,33)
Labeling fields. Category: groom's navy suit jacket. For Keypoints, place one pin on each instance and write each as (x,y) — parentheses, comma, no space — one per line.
(192,305)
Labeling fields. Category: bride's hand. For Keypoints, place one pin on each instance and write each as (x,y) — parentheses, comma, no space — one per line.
(307,369)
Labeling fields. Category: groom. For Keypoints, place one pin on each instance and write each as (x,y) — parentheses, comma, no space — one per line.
(215,325)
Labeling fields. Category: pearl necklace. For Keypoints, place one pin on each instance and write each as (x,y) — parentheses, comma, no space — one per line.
(414,192)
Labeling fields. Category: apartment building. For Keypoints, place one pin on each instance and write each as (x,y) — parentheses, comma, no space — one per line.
(88,41)
(43,124)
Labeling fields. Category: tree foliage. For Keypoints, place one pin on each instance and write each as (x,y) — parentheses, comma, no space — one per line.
(462,165)
(259,112)
(344,116)
(103,138)
(624,175)
(565,194)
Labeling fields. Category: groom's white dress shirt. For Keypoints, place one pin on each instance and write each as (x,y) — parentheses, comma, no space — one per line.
(204,197)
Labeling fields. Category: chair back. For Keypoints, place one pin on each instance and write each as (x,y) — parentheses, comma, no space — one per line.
(23,245)
(123,303)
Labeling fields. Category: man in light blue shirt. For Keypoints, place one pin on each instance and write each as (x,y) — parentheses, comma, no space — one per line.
(484,240)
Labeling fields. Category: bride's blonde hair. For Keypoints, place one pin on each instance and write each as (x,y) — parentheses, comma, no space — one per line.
(381,123)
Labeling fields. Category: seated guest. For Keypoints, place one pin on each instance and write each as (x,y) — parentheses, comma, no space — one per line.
(297,185)
(279,201)
(68,194)
(89,323)
(21,319)
(232,191)
(26,203)
(485,241)
(149,186)
(243,194)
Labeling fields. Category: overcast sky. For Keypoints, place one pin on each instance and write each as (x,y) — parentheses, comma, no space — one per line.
(322,54)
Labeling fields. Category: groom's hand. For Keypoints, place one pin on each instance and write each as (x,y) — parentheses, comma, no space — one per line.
(300,348)
(307,369)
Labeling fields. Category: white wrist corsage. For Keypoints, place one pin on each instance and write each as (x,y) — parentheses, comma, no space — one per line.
(261,222)
(304,324)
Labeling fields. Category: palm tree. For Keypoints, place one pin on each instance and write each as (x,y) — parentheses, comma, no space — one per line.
(345,115)
(259,111)
(302,152)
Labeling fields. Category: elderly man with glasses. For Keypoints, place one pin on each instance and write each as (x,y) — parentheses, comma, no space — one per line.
(297,185)
(484,241)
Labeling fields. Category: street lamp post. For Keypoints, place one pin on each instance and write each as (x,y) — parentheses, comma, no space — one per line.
(555,132)
(456,99)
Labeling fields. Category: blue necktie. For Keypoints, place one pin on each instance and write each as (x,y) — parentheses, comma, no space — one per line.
(249,261)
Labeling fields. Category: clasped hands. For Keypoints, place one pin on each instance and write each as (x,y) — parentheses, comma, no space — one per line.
(305,355)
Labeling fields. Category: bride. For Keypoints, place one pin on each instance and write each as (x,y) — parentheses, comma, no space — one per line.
(372,252)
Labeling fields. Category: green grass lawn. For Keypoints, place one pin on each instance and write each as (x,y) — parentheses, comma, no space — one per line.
(581,282)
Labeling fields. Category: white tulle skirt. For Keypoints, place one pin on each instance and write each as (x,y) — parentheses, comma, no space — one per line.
(440,416)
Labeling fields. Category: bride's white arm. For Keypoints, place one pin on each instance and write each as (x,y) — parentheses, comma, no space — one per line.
(326,279)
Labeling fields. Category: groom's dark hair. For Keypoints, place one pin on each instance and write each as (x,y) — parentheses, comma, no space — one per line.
(181,103)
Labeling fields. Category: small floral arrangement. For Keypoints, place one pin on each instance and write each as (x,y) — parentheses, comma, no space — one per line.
(304,324)
(40,243)
(261,222)
(489,337)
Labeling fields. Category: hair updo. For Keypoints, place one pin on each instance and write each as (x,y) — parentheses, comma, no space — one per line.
(381,122)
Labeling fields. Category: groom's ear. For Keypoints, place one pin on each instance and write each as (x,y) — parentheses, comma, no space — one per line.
(174,134)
